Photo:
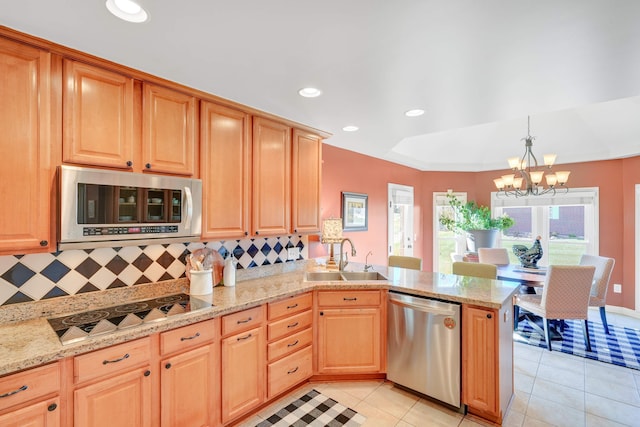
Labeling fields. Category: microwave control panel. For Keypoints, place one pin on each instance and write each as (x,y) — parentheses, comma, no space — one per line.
(147,229)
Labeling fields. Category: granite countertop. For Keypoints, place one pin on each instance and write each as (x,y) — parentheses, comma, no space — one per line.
(27,340)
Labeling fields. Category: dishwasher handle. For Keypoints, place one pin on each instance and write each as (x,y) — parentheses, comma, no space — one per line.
(422,307)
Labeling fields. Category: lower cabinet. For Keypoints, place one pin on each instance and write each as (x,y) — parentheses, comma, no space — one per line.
(349,332)
(487,360)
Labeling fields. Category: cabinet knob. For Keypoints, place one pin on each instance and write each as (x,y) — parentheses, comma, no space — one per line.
(129,163)
(322,313)
(44,243)
(295,230)
(148,165)
(246,233)
(52,407)
(257,232)
(489,316)
(147,373)
(167,366)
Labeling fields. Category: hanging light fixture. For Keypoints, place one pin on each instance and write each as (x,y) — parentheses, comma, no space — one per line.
(529,181)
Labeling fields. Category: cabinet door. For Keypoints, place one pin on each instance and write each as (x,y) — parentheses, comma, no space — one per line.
(479,358)
(187,388)
(41,414)
(99,117)
(121,400)
(349,340)
(225,156)
(271,177)
(306,179)
(243,373)
(168,131)
(26,149)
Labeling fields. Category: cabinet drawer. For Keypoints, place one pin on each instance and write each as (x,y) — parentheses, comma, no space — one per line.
(348,298)
(289,344)
(284,327)
(188,336)
(28,385)
(242,320)
(289,306)
(111,360)
(289,371)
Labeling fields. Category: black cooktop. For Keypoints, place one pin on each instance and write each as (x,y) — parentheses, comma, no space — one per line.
(77,327)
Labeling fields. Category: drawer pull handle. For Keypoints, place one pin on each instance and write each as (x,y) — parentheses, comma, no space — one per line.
(289,307)
(293,343)
(292,371)
(11,393)
(350,299)
(191,337)
(244,338)
(293,325)
(106,362)
(247,320)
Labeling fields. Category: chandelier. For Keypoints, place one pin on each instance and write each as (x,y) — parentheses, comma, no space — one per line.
(529,181)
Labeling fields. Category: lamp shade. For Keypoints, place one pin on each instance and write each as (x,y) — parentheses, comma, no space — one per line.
(331,230)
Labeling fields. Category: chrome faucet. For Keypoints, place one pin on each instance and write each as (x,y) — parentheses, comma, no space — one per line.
(366,265)
(345,260)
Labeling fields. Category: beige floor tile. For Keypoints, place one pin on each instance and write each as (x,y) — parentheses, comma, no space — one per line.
(376,417)
(524,366)
(613,390)
(606,371)
(596,421)
(469,421)
(563,361)
(392,399)
(513,419)
(427,413)
(558,393)
(404,424)
(523,382)
(612,409)
(341,396)
(561,376)
(519,402)
(532,422)
(359,389)
(526,352)
(553,413)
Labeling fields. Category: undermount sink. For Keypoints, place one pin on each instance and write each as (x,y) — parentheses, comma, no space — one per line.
(332,276)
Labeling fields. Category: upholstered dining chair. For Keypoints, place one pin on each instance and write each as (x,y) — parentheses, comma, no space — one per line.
(598,296)
(475,269)
(497,256)
(565,295)
(456,257)
(410,262)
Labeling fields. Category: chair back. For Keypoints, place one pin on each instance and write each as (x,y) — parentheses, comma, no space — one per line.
(410,262)
(497,256)
(475,269)
(601,278)
(456,257)
(566,291)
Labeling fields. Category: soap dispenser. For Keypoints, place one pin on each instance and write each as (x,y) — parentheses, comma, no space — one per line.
(229,272)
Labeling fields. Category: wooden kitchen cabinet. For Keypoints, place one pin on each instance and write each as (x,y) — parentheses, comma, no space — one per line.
(243,373)
(225,156)
(271,183)
(188,375)
(350,332)
(31,398)
(306,174)
(487,360)
(29,143)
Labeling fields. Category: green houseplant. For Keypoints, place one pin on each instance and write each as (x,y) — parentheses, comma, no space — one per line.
(474,220)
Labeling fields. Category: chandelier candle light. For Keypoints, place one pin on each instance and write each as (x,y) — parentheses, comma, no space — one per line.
(529,181)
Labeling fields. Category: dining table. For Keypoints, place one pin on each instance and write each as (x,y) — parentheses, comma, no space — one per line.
(529,278)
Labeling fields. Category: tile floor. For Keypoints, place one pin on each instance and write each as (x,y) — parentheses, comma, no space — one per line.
(551,389)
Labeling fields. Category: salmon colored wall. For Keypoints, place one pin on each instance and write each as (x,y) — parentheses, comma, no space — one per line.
(348,171)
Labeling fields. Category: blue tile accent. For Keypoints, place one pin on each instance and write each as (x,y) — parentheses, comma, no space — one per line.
(18,275)
(55,271)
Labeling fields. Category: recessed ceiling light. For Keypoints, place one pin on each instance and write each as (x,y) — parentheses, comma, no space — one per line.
(309,92)
(414,113)
(350,128)
(128,10)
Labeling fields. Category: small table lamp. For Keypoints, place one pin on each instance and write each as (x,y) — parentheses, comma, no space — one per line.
(331,234)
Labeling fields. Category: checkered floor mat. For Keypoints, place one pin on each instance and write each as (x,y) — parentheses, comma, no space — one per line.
(314,409)
(621,347)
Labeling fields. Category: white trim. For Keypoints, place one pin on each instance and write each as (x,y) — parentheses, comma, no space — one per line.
(440,199)
(392,195)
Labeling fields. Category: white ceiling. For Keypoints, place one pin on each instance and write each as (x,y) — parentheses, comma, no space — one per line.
(478,68)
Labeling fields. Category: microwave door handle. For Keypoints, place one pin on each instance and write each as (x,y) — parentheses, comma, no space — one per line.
(189,207)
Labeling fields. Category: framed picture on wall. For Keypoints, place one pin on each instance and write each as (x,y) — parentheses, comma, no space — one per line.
(354,211)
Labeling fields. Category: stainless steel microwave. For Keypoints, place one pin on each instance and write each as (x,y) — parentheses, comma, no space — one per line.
(108,208)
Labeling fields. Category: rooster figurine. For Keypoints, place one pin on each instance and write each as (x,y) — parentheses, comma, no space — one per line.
(529,256)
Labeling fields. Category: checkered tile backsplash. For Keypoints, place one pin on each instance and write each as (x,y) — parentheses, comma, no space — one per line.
(38,276)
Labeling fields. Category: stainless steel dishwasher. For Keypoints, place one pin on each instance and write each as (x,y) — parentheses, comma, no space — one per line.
(423,346)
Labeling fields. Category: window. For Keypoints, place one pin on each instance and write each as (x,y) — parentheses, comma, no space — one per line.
(445,242)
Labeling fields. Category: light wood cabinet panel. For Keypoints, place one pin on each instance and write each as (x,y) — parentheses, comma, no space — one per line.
(99,117)
(189,336)
(40,414)
(28,109)
(271,204)
(289,371)
(111,360)
(290,305)
(289,344)
(168,131)
(188,395)
(349,298)
(306,179)
(242,320)
(225,159)
(29,385)
(294,323)
(243,373)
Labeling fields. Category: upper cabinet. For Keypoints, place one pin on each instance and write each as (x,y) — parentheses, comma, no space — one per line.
(225,156)
(29,144)
(306,169)
(271,178)
(112,120)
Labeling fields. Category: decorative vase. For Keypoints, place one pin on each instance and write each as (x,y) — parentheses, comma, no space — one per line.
(481,239)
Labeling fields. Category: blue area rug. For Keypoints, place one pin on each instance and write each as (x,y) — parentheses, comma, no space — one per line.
(621,347)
